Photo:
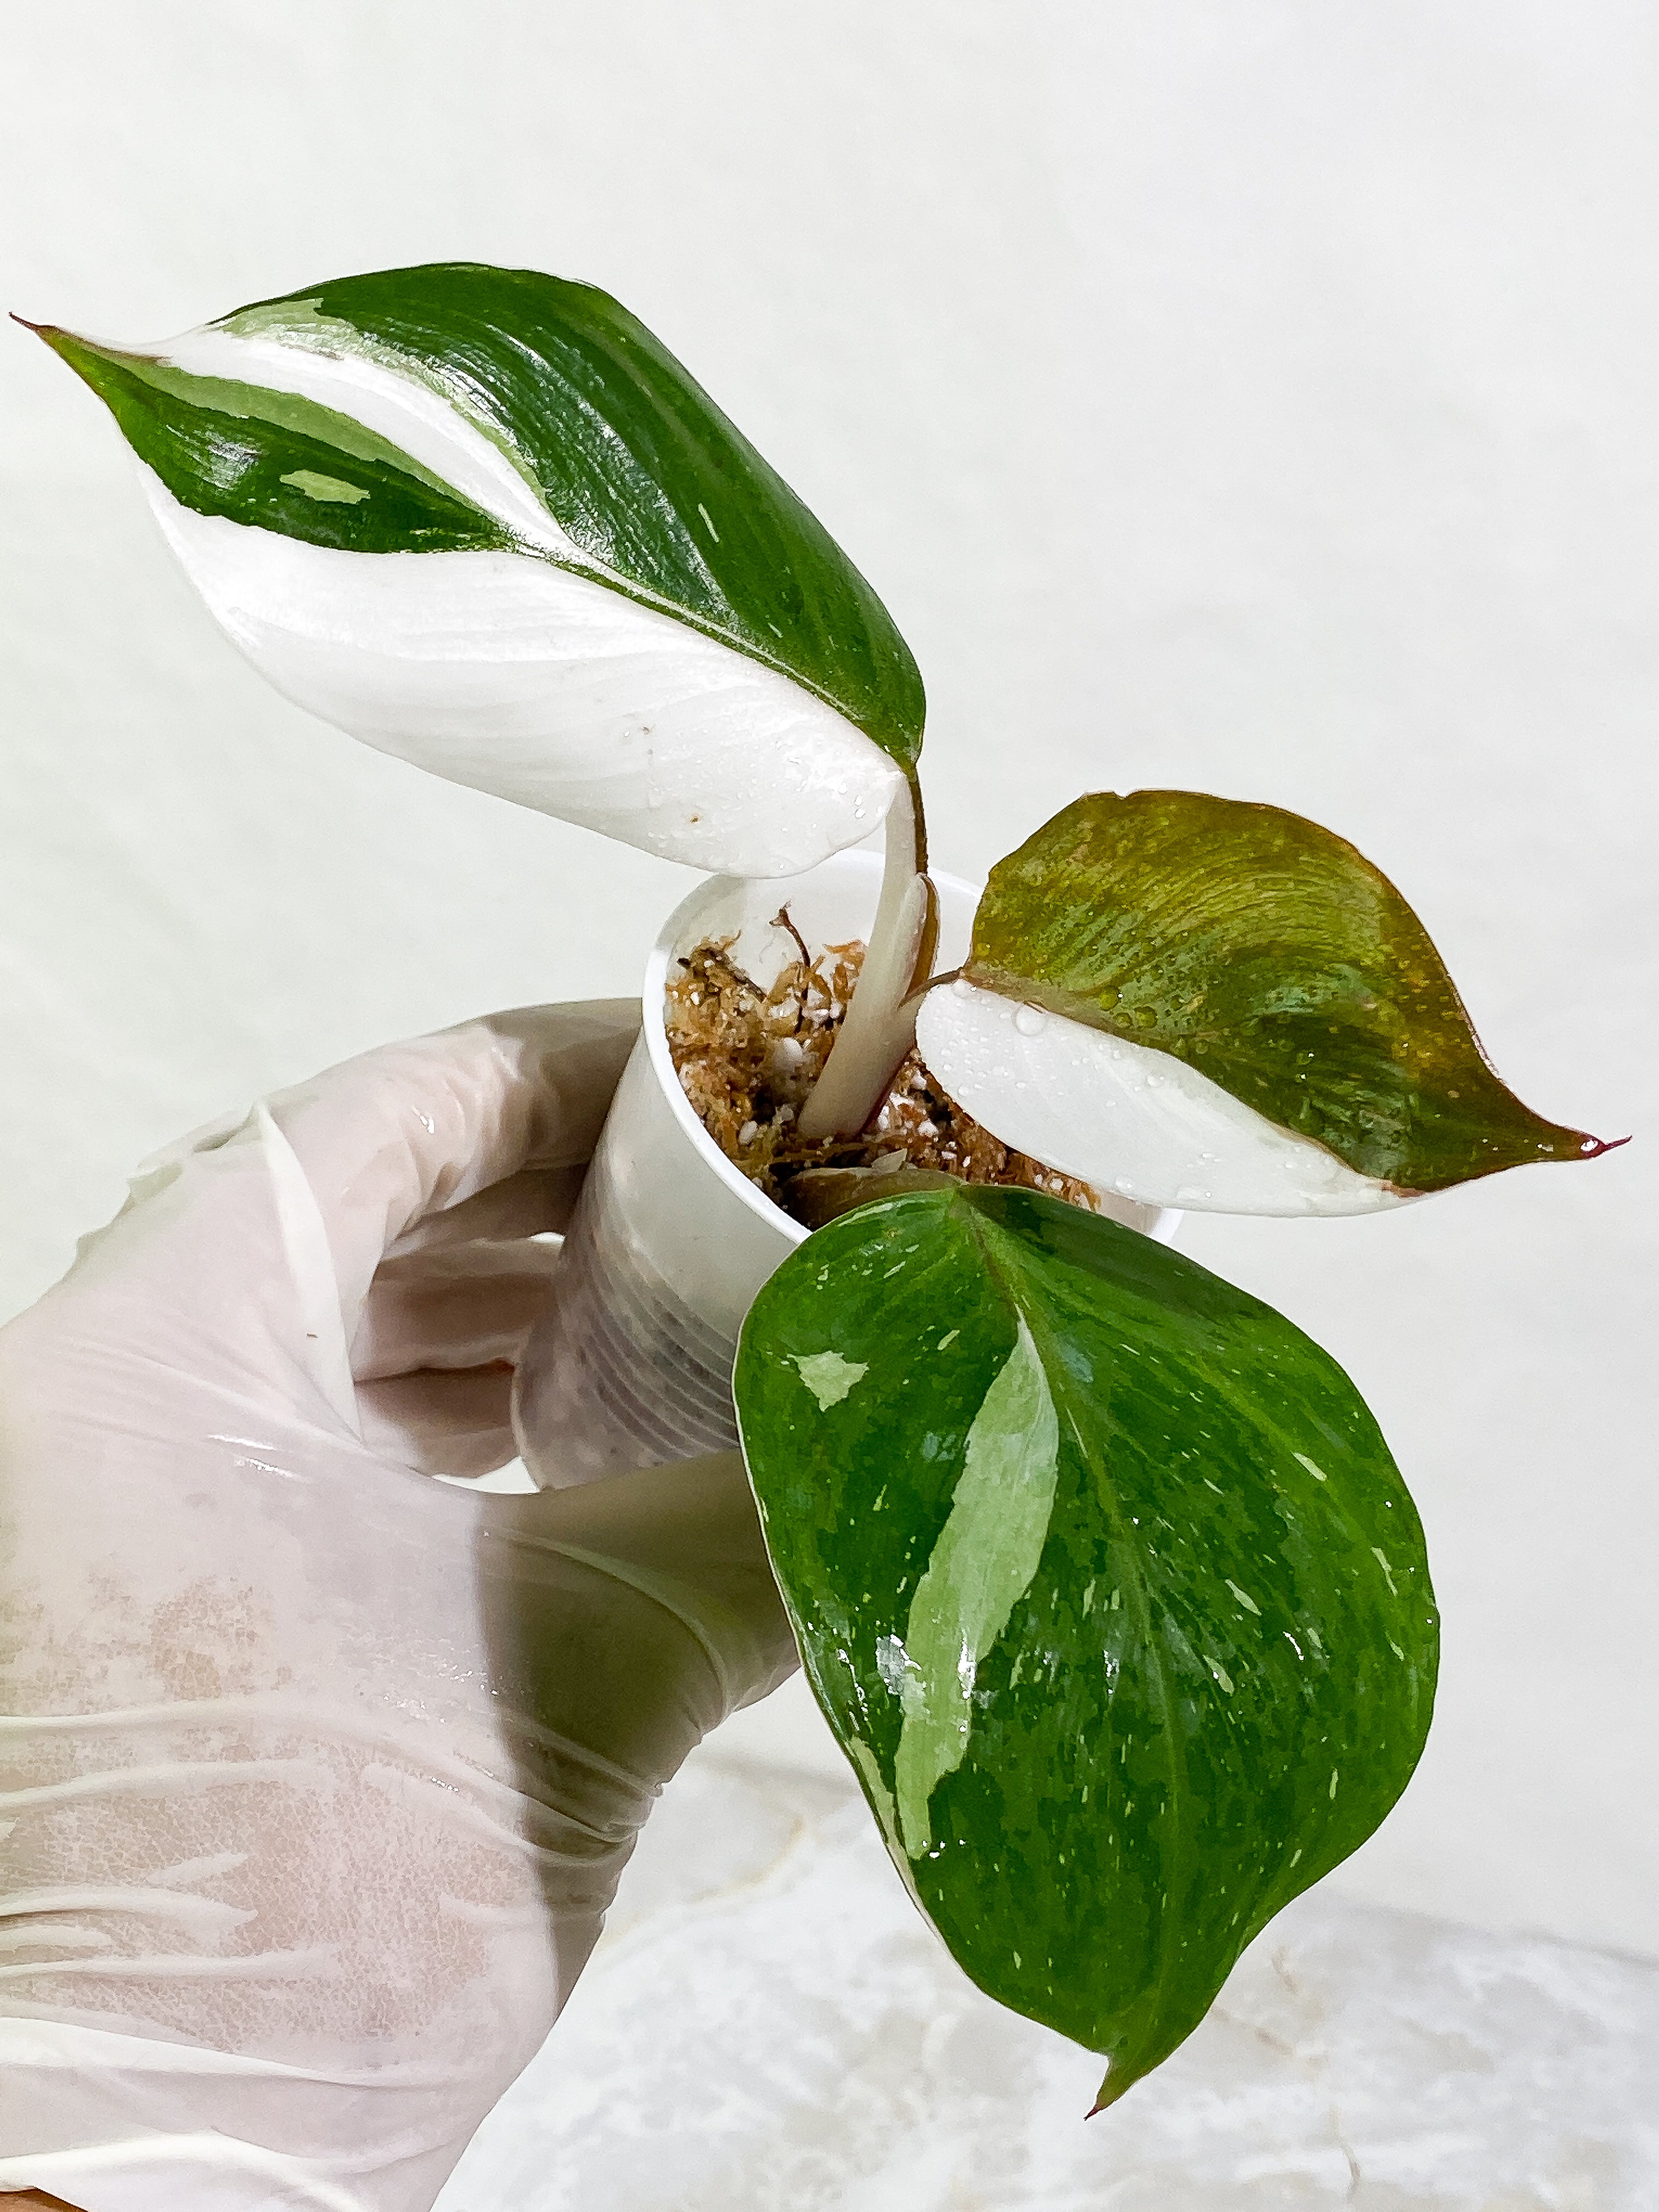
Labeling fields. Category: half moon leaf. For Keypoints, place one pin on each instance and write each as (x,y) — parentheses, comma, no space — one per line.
(1198,1002)
(620,614)
(1106,1583)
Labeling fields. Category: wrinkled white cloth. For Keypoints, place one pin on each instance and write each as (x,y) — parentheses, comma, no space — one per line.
(316,1774)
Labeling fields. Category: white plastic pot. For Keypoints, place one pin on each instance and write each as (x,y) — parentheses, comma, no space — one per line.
(630,1363)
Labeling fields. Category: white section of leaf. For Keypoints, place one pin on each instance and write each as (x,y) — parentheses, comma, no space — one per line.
(332,489)
(894,1665)
(1129,1120)
(981,1565)
(402,408)
(517,677)
(829,1376)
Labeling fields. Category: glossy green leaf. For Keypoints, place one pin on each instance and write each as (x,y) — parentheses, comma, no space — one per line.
(1272,958)
(1106,1581)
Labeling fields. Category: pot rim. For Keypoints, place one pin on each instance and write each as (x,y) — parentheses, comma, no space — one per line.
(854,864)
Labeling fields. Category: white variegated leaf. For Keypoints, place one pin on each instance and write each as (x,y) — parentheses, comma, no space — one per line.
(1201,1003)
(483,520)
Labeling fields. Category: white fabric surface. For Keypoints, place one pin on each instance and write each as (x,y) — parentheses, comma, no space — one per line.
(766,2024)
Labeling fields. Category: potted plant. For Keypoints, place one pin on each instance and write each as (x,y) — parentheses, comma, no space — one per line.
(1100,1570)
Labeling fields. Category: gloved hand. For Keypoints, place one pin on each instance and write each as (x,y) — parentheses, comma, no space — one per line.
(316,1775)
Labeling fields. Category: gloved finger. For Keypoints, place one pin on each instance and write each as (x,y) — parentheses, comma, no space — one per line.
(455,1423)
(535,1202)
(711,1634)
(244,1254)
(694,1522)
(411,1130)
(460,1307)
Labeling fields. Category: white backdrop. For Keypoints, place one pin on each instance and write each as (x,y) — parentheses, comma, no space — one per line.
(1254,398)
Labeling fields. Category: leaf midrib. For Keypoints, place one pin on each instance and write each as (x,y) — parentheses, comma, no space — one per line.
(432,380)
(989,1235)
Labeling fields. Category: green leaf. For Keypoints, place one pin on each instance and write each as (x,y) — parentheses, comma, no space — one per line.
(1271,958)
(1104,1578)
(275,460)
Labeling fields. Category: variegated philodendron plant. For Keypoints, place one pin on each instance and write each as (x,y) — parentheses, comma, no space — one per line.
(1101,1570)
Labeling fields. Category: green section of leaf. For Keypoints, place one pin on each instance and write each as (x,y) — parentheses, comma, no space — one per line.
(1106,1580)
(636,463)
(1274,958)
(276,461)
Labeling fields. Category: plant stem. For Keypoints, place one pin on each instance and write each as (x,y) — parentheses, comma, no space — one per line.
(880,1026)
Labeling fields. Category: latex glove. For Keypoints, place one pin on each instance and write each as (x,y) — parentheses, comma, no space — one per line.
(317,1775)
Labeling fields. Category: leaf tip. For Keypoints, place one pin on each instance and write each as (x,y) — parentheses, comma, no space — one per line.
(1114,2086)
(1591,1148)
(64,343)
